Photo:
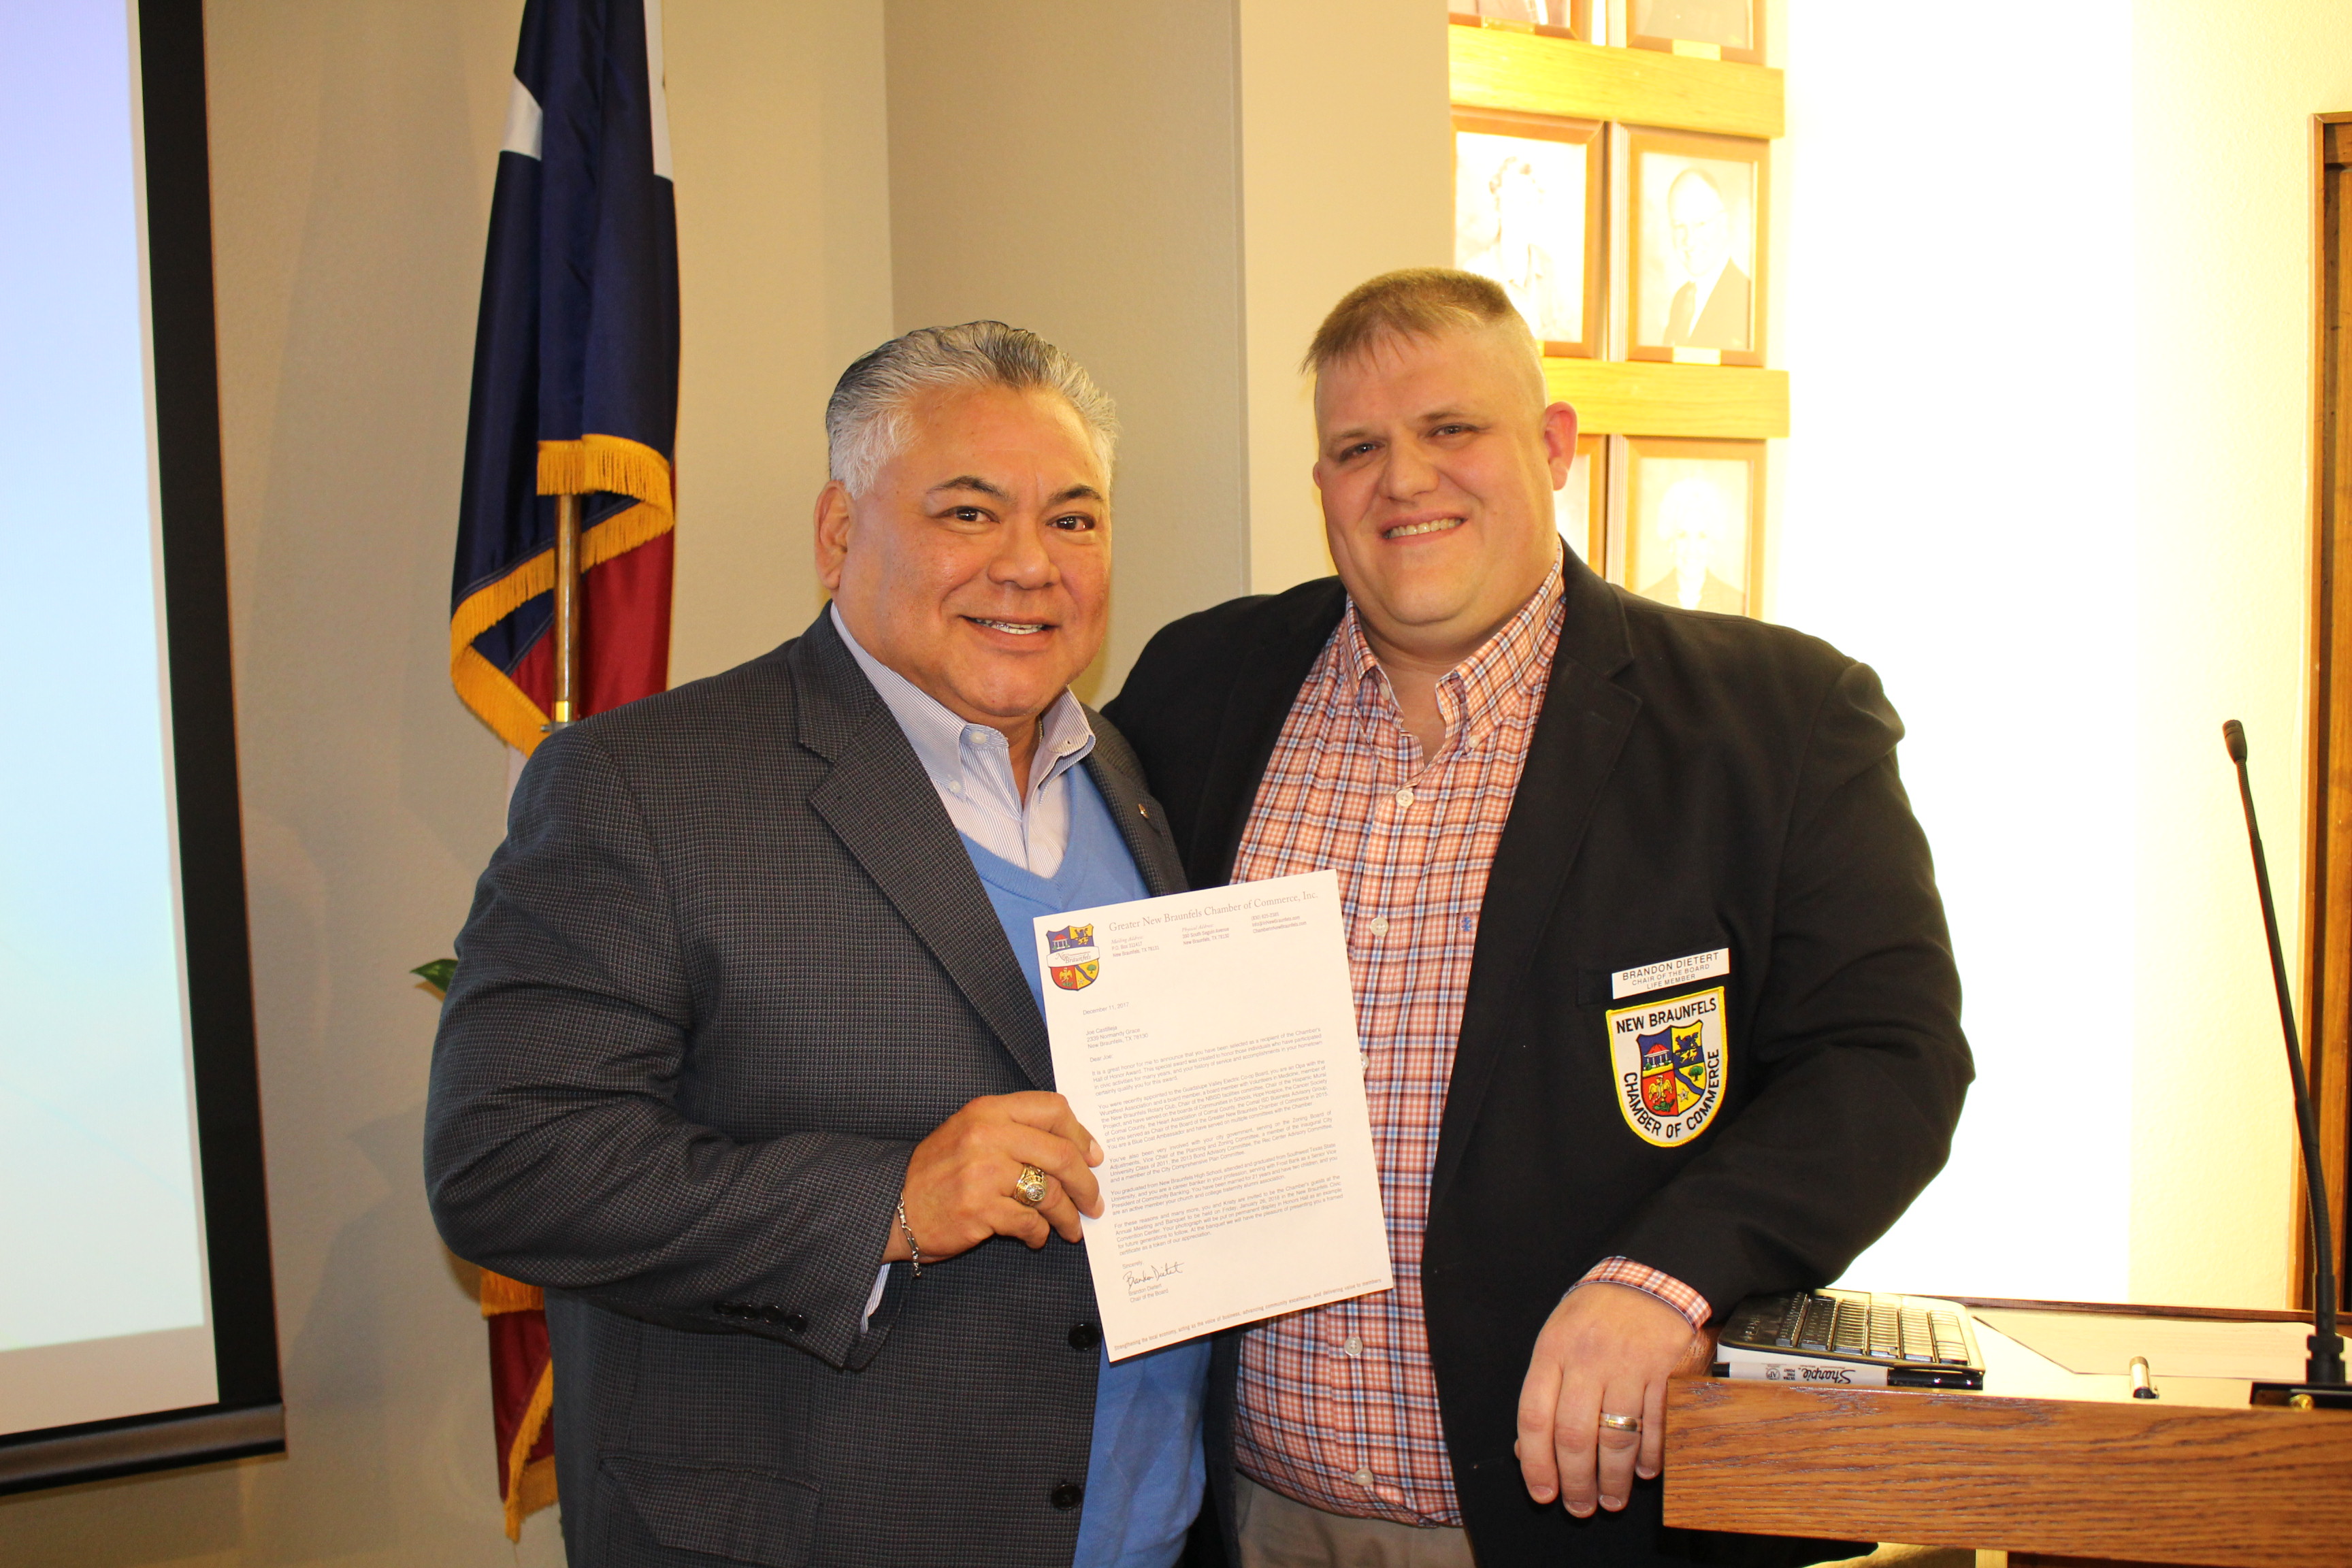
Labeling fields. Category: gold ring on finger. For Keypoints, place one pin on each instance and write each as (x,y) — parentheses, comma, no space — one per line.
(1029,1186)
(1621,1423)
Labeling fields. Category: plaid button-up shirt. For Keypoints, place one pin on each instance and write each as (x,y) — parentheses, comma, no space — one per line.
(1338,1403)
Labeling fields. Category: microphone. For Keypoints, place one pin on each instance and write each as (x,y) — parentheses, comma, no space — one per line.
(2324,1371)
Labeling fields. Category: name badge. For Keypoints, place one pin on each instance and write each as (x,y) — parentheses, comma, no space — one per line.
(1670,972)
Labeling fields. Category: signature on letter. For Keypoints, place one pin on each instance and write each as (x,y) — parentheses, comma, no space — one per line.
(1150,1272)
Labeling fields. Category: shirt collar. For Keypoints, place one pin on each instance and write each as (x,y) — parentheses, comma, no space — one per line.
(1474,693)
(937,733)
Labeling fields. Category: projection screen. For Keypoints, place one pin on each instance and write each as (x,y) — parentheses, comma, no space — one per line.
(136,1326)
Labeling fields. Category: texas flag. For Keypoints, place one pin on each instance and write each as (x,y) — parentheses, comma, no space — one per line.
(575,374)
(575,393)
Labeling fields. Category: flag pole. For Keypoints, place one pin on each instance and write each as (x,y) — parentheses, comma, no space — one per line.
(567,611)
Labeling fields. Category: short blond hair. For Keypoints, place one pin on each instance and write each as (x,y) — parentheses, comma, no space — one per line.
(1413,302)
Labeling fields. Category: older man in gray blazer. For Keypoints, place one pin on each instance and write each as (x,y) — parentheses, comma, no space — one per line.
(744,1059)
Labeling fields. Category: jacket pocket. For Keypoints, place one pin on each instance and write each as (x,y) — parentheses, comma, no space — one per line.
(742,1516)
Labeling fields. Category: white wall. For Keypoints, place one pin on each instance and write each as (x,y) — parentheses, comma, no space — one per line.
(1965,525)
(2046,312)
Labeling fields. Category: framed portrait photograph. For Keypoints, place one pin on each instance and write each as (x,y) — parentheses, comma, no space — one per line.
(1693,522)
(1581,507)
(1716,29)
(1527,213)
(1693,220)
(1567,18)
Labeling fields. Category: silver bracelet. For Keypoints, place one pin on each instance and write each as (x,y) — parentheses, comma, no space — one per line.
(914,1252)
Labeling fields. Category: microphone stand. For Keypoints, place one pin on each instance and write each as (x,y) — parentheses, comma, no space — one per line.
(2323,1387)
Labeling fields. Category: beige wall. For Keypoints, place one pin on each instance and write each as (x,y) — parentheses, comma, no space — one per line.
(1176,194)
(1071,169)
(783,241)
(1347,172)
(353,149)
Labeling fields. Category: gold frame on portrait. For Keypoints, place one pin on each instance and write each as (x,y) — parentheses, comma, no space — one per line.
(1628,144)
(1594,553)
(1580,23)
(1587,133)
(2328,847)
(1691,47)
(1625,499)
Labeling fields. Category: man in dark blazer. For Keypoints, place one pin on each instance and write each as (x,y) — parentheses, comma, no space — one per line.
(1689,1028)
(742,1060)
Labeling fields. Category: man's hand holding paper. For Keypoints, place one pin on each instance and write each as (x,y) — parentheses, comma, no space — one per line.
(955,1197)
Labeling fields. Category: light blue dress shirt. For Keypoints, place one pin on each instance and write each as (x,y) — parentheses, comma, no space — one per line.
(971,766)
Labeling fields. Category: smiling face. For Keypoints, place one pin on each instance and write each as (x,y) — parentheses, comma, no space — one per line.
(977,564)
(1438,462)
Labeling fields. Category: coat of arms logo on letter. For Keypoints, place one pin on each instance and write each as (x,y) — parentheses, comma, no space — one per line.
(1071,958)
(1669,1061)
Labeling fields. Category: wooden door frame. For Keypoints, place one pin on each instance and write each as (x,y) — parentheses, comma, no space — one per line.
(2327,859)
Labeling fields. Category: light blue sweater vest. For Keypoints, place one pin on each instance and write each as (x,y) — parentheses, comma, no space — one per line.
(1145,1474)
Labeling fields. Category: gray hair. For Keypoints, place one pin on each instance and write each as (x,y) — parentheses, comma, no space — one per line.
(866,422)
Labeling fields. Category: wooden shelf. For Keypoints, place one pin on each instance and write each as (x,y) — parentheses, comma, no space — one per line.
(2150,1481)
(1615,397)
(1498,68)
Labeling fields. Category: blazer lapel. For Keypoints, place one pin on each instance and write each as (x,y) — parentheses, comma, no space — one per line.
(883,808)
(1578,736)
(1268,682)
(1141,821)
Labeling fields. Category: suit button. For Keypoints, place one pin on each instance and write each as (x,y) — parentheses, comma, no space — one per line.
(1086,1336)
(772,1315)
(1067,1496)
(797,1322)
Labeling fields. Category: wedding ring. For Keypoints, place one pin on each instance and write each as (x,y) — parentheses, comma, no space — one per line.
(1621,1423)
(1029,1186)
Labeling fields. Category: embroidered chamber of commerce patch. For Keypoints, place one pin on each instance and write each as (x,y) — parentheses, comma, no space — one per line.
(1071,958)
(1669,1062)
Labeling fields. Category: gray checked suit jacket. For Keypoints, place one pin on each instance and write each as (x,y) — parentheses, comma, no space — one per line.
(729,966)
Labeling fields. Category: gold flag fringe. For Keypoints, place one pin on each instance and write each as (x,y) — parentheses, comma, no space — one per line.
(500,1294)
(611,463)
(531,1483)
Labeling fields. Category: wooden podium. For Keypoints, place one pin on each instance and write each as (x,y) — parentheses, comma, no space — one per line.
(2058,1469)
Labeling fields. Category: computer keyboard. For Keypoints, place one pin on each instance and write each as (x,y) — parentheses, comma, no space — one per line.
(1917,1341)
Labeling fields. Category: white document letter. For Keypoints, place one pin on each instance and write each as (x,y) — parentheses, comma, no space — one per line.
(1209,1041)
